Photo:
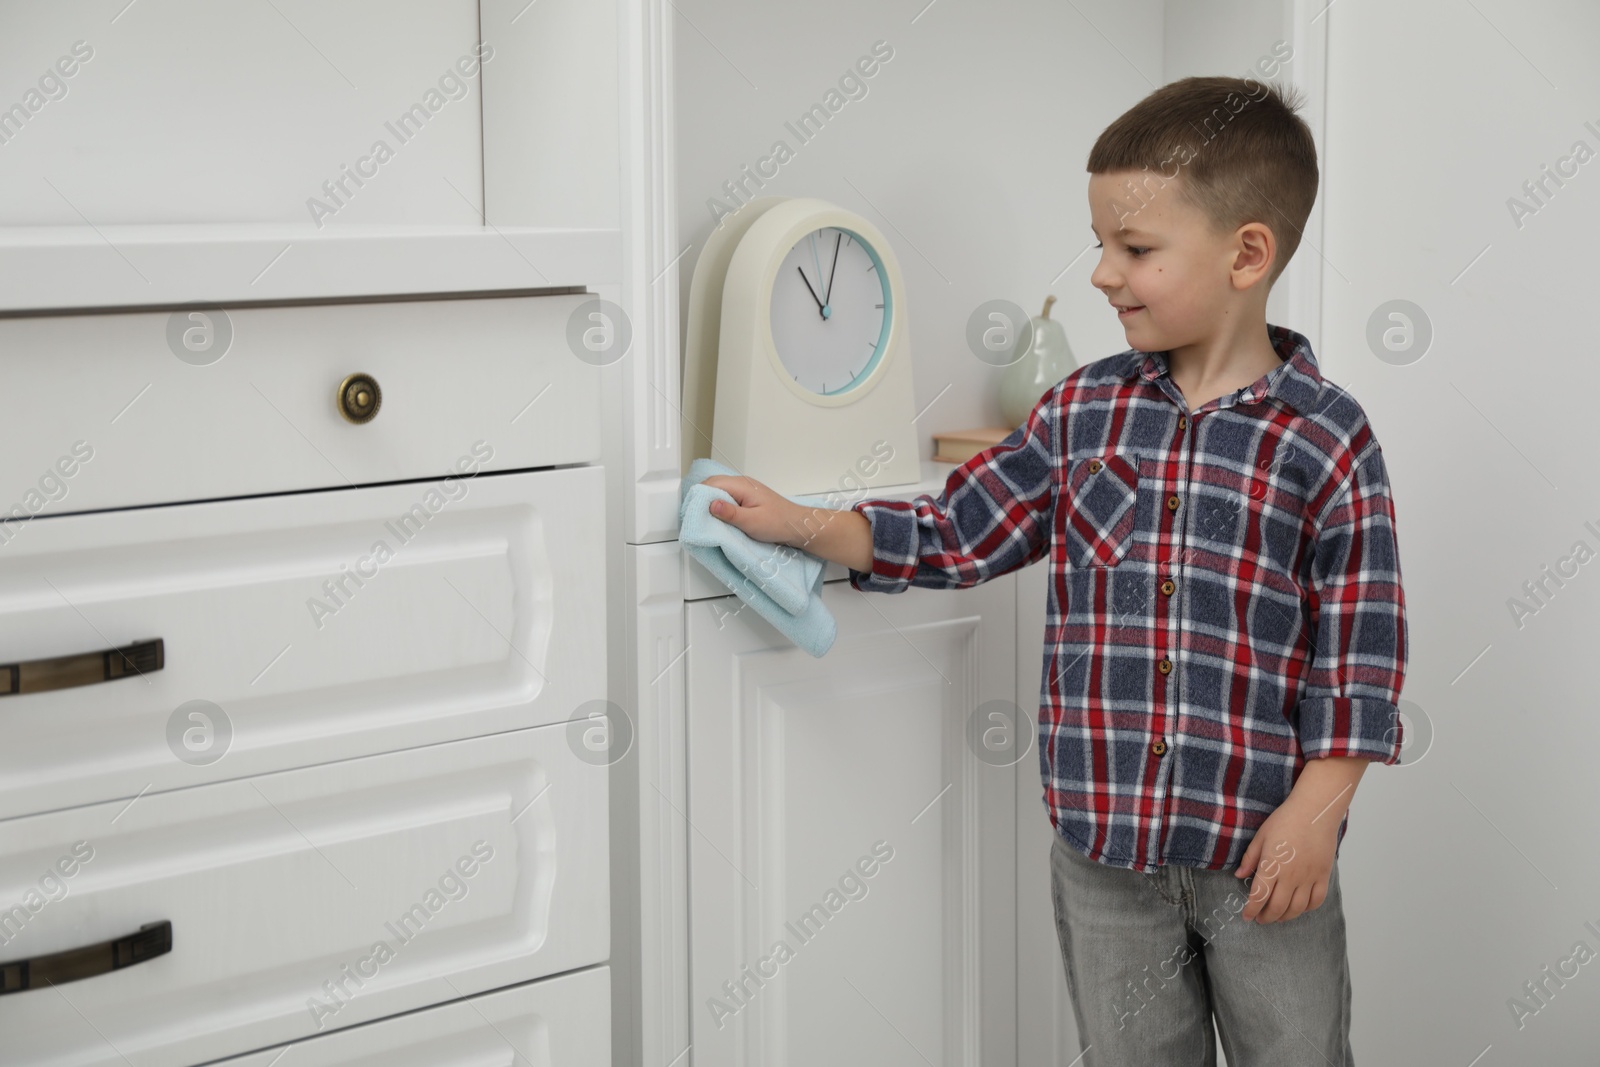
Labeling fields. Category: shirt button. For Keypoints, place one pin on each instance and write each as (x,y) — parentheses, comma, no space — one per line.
(1158,747)
(1183,423)
(1094,466)
(1165,666)
(1172,502)
(1168,586)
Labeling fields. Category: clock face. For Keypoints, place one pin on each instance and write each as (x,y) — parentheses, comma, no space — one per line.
(831,311)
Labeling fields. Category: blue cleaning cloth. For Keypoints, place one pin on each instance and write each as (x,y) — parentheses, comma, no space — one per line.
(783,584)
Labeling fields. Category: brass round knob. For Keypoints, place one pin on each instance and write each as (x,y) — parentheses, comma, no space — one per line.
(359,398)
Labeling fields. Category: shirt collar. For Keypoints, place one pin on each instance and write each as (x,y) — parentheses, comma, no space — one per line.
(1295,382)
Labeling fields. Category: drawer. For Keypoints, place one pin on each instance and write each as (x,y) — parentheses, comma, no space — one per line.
(555,1022)
(97,410)
(484,612)
(305,901)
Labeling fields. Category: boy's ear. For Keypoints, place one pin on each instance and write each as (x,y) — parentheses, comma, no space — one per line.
(1256,251)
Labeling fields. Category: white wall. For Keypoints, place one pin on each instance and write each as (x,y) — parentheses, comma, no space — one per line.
(1479,865)
(967,151)
(1472,869)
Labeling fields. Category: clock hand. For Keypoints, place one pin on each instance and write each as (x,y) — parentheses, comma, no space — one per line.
(818,263)
(810,290)
(828,298)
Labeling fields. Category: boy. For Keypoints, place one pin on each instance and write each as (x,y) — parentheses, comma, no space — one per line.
(1225,639)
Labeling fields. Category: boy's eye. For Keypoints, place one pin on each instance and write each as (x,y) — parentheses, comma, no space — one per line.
(1131,249)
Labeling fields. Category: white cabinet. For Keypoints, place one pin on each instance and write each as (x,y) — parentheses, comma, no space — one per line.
(851,852)
(302,533)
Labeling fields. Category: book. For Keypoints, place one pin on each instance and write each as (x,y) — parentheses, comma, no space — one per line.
(958,446)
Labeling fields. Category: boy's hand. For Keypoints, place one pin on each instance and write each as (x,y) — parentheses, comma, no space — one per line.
(1295,848)
(839,536)
(1291,857)
(762,513)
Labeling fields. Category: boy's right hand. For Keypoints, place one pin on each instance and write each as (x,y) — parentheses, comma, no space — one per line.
(761,513)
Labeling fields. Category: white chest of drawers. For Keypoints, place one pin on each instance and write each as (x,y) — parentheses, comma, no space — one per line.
(286,700)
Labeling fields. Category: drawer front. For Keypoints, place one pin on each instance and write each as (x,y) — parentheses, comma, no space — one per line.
(298,630)
(97,410)
(306,901)
(555,1022)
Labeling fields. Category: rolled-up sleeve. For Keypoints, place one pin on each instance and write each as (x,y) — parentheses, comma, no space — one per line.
(993,516)
(1350,704)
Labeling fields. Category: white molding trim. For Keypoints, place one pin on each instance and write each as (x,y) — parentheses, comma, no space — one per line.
(650,882)
(649,826)
(650,270)
(68,268)
(1308,25)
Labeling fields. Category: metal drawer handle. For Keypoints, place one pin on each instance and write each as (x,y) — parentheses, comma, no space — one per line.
(152,940)
(359,398)
(85,668)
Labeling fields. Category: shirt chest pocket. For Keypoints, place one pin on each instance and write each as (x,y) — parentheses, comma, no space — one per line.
(1102,504)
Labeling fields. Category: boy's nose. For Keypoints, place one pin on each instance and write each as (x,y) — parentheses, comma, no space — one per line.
(1103,278)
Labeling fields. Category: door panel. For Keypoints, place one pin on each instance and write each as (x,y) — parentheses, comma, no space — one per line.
(852,860)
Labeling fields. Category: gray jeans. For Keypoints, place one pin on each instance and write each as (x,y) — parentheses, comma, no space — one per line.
(1152,956)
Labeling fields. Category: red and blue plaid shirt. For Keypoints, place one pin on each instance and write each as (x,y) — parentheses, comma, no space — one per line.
(1224,595)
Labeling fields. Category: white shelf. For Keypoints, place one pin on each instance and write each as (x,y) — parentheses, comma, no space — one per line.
(77,267)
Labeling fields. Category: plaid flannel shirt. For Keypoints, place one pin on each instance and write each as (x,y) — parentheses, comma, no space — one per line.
(1224,596)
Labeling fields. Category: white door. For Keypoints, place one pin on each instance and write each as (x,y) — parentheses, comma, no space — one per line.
(852,832)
